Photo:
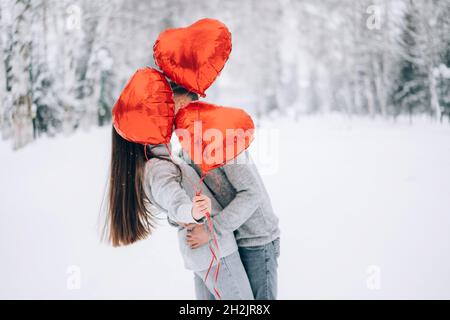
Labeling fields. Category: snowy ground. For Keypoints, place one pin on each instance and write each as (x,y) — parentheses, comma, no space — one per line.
(364,209)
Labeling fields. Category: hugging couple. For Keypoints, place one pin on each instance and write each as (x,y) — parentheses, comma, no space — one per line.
(233,209)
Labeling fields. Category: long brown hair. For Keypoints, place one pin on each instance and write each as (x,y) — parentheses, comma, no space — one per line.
(128,218)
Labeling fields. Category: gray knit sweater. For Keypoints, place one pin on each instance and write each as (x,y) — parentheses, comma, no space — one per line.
(248,211)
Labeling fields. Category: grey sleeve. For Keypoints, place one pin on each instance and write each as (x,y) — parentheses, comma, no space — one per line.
(172,223)
(247,200)
(168,193)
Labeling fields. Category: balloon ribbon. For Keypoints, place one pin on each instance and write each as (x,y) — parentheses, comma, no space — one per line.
(214,253)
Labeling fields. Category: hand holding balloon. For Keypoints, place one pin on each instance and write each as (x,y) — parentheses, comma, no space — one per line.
(201,206)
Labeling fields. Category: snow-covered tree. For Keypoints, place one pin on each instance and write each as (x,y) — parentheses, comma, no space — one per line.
(412,93)
(64,62)
(22,112)
(2,72)
(45,100)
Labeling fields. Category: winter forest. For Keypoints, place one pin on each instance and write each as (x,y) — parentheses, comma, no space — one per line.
(65,62)
(351,102)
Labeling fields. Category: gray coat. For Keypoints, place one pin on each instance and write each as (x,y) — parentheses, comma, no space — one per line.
(162,186)
(247,212)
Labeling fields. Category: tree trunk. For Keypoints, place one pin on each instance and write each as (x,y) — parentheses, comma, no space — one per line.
(434,101)
(380,83)
(369,96)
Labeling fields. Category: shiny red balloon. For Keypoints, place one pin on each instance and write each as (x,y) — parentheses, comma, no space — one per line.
(213,135)
(145,109)
(194,56)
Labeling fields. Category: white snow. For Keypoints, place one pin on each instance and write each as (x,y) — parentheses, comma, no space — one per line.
(357,199)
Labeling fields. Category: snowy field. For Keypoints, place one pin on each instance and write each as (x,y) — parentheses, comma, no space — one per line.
(364,208)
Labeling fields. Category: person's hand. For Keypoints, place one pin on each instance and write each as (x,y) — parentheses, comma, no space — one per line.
(201,205)
(197,236)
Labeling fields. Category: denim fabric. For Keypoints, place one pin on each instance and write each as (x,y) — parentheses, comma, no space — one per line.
(233,283)
(261,264)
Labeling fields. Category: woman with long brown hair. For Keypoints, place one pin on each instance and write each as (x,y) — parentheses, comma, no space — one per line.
(143,181)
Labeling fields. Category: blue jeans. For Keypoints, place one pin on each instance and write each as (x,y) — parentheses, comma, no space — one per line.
(232,283)
(261,265)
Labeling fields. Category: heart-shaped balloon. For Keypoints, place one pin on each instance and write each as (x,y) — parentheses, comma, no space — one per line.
(145,109)
(194,56)
(213,135)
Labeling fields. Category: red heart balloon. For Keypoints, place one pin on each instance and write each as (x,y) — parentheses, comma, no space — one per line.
(194,56)
(145,109)
(213,135)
